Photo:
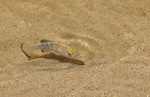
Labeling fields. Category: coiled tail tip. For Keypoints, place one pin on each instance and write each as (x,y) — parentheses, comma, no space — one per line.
(21,46)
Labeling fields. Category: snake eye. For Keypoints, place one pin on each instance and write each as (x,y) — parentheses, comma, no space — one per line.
(69,54)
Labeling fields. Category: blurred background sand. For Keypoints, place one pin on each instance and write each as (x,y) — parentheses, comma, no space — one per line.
(112,38)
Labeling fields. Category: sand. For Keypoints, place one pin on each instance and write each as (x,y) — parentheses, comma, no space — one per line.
(112,38)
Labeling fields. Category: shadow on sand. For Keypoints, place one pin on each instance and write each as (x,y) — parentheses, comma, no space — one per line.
(60,58)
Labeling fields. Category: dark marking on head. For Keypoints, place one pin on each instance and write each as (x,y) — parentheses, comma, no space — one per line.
(45,40)
(69,54)
(42,50)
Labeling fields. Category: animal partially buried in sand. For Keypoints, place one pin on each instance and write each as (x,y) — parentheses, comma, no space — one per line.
(51,46)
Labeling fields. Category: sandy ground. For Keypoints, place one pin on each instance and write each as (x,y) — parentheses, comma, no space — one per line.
(112,37)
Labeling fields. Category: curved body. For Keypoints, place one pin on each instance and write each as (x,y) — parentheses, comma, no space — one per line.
(53,46)
(47,46)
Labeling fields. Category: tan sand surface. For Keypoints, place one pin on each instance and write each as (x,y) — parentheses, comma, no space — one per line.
(112,36)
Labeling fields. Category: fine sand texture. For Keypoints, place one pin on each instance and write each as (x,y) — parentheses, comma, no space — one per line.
(112,37)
